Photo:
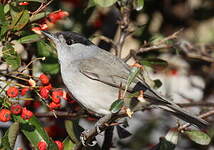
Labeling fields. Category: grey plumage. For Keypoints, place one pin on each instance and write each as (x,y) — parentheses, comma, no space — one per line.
(93,76)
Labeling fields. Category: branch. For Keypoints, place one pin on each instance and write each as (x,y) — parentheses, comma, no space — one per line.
(162,43)
(69,115)
(103,125)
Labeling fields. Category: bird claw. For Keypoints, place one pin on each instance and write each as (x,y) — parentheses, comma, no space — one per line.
(83,139)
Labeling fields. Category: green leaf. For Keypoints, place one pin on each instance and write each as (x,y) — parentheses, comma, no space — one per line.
(164,145)
(44,49)
(38,16)
(154,62)
(4,142)
(69,126)
(34,132)
(50,68)
(104,3)
(158,83)
(91,3)
(138,4)
(198,137)
(116,106)
(68,144)
(20,20)
(132,75)
(6,8)
(29,39)
(13,132)
(11,56)
(2,15)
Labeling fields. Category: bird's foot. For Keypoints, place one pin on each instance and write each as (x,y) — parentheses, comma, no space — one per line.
(83,139)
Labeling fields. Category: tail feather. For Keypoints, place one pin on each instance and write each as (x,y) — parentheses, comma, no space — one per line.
(186,116)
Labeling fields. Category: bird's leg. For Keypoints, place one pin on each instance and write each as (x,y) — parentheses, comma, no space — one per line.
(83,138)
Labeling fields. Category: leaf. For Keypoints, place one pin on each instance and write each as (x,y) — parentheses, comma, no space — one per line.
(91,3)
(172,136)
(6,8)
(34,132)
(44,49)
(50,68)
(13,132)
(2,15)
(104,3)
(70,130)
(20,20)
(68,144)
(138,4)
(29,39)
(132,75)
(198,137)
(116,106)
(4,142)
(11,56)
(158,83)
(154,62)
(38,16)
(164,145)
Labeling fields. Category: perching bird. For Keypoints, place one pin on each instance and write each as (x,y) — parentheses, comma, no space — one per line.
(94,75)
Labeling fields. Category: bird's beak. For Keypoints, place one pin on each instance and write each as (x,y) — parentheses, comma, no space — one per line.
(49,35)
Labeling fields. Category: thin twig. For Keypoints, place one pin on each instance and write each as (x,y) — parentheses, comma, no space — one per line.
(196,104)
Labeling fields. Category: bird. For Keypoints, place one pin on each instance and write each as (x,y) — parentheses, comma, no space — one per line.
(93,76)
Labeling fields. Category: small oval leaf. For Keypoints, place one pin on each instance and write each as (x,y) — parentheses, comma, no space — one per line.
(12,134)
(138,4)
(116,106)
(198,137)
(154,62)
(29,39)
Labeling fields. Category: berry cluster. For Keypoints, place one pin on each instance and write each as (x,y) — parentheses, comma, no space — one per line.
(15,109)
(50,20)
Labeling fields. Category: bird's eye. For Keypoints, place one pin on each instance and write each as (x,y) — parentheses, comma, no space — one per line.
(69,42)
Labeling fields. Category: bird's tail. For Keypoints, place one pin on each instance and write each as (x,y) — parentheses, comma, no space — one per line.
(173,108)
(186,116)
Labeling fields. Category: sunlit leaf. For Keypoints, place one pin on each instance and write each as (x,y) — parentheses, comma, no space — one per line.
(116,106)
(34,132)
(13,132)
(29,39)
(198,137)
(2,15)
(44,49)
(20,20)
(104,3)
(138,4)
(172,136)
(11,56)
(68,144)
(6,8)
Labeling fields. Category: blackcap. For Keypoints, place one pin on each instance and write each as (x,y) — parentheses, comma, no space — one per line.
(94,75)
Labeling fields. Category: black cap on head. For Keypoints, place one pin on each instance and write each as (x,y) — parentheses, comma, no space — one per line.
(73,37)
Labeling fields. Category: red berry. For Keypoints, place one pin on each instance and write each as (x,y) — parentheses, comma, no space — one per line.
(53,105)
(60,145)
(55,16)
(44,79)
(24,3)
(19,148)
(56,95)
(24,91)
(42,145)
(5,115)
(48,87)
(37,30)
(44,92)
(12,91)
(16,109)
(26,114)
